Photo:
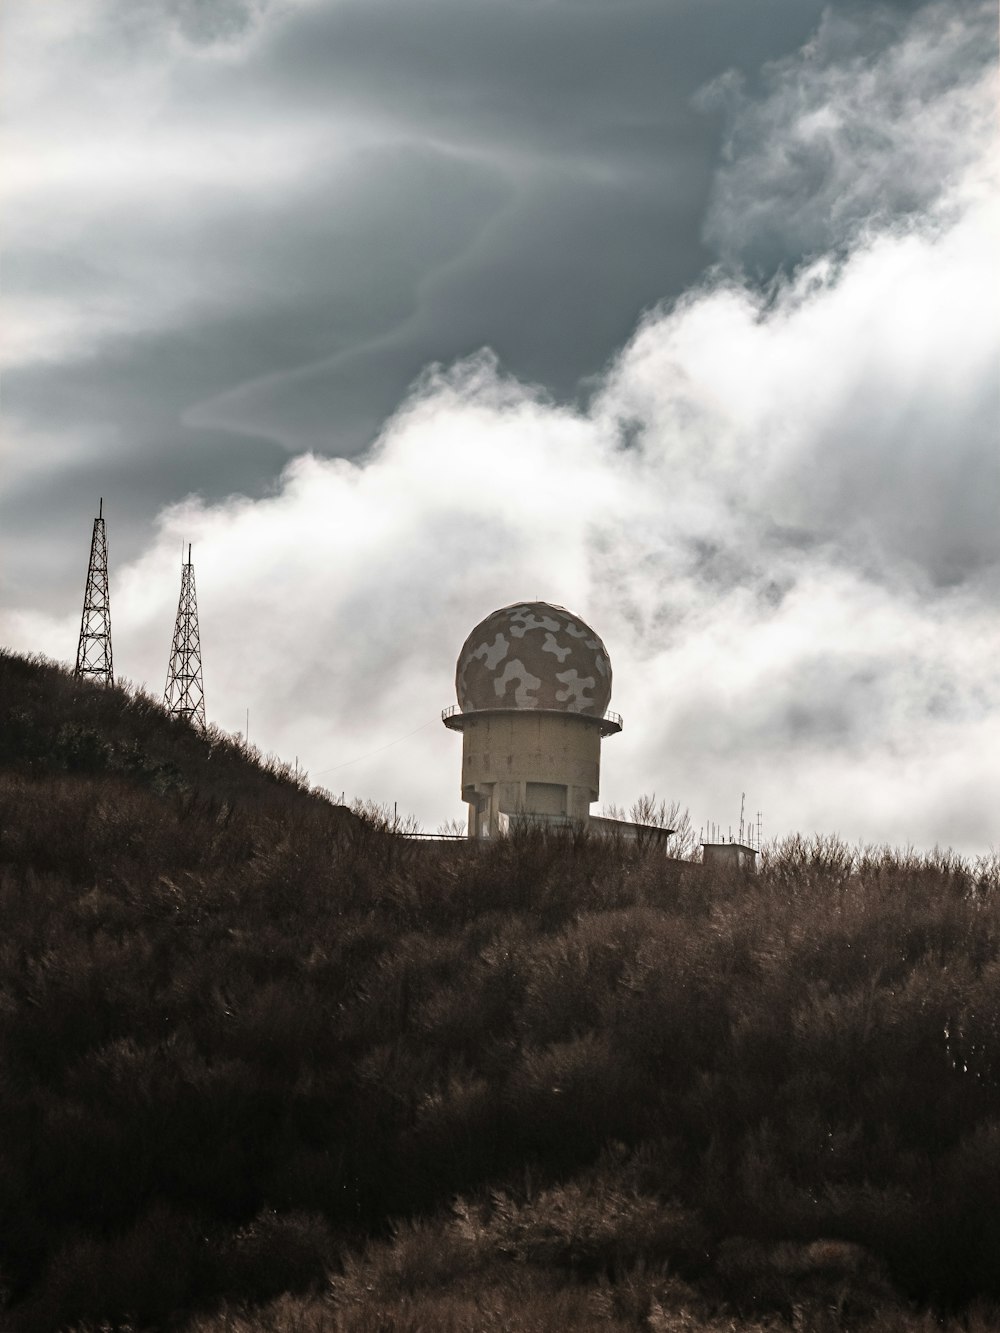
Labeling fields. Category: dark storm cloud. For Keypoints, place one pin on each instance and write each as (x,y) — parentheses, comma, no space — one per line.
(590,78)
(868,130)
(268,301)
(337,195)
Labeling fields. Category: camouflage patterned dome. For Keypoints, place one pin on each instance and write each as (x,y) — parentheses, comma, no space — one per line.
(534,655)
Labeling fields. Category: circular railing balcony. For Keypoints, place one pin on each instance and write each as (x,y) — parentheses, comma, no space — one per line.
(611,722)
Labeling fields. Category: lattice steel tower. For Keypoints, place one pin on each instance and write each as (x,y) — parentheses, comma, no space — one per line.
(185,692)
(93,653)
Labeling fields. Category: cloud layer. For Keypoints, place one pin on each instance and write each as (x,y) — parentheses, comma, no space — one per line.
(236,231)
(776,506)
(873,124)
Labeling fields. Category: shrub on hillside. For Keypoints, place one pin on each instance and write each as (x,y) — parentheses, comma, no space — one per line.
(238,1027)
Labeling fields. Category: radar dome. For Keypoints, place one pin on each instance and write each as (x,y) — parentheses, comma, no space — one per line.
(534,655)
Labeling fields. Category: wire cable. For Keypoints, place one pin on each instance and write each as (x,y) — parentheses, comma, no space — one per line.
(371,753)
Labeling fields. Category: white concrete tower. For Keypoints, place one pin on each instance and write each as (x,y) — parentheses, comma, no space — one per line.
(533,683)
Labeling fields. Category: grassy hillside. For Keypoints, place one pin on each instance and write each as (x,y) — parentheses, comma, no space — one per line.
(261,1056)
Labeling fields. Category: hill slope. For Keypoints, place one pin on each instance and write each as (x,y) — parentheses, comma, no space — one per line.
(245,1035)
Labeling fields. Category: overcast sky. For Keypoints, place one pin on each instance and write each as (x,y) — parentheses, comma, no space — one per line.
(680,313)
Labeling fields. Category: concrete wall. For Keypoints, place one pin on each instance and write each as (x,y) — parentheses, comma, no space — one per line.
(730,855)
(647,834)
(522,763)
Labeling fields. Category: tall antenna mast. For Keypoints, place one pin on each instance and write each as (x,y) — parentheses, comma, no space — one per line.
(93,653)
(184,695)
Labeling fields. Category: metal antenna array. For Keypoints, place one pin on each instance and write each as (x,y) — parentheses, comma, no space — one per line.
(93,653)
(185,691)
(712,833)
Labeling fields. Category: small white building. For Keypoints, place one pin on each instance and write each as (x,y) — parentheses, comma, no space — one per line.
(729,855)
